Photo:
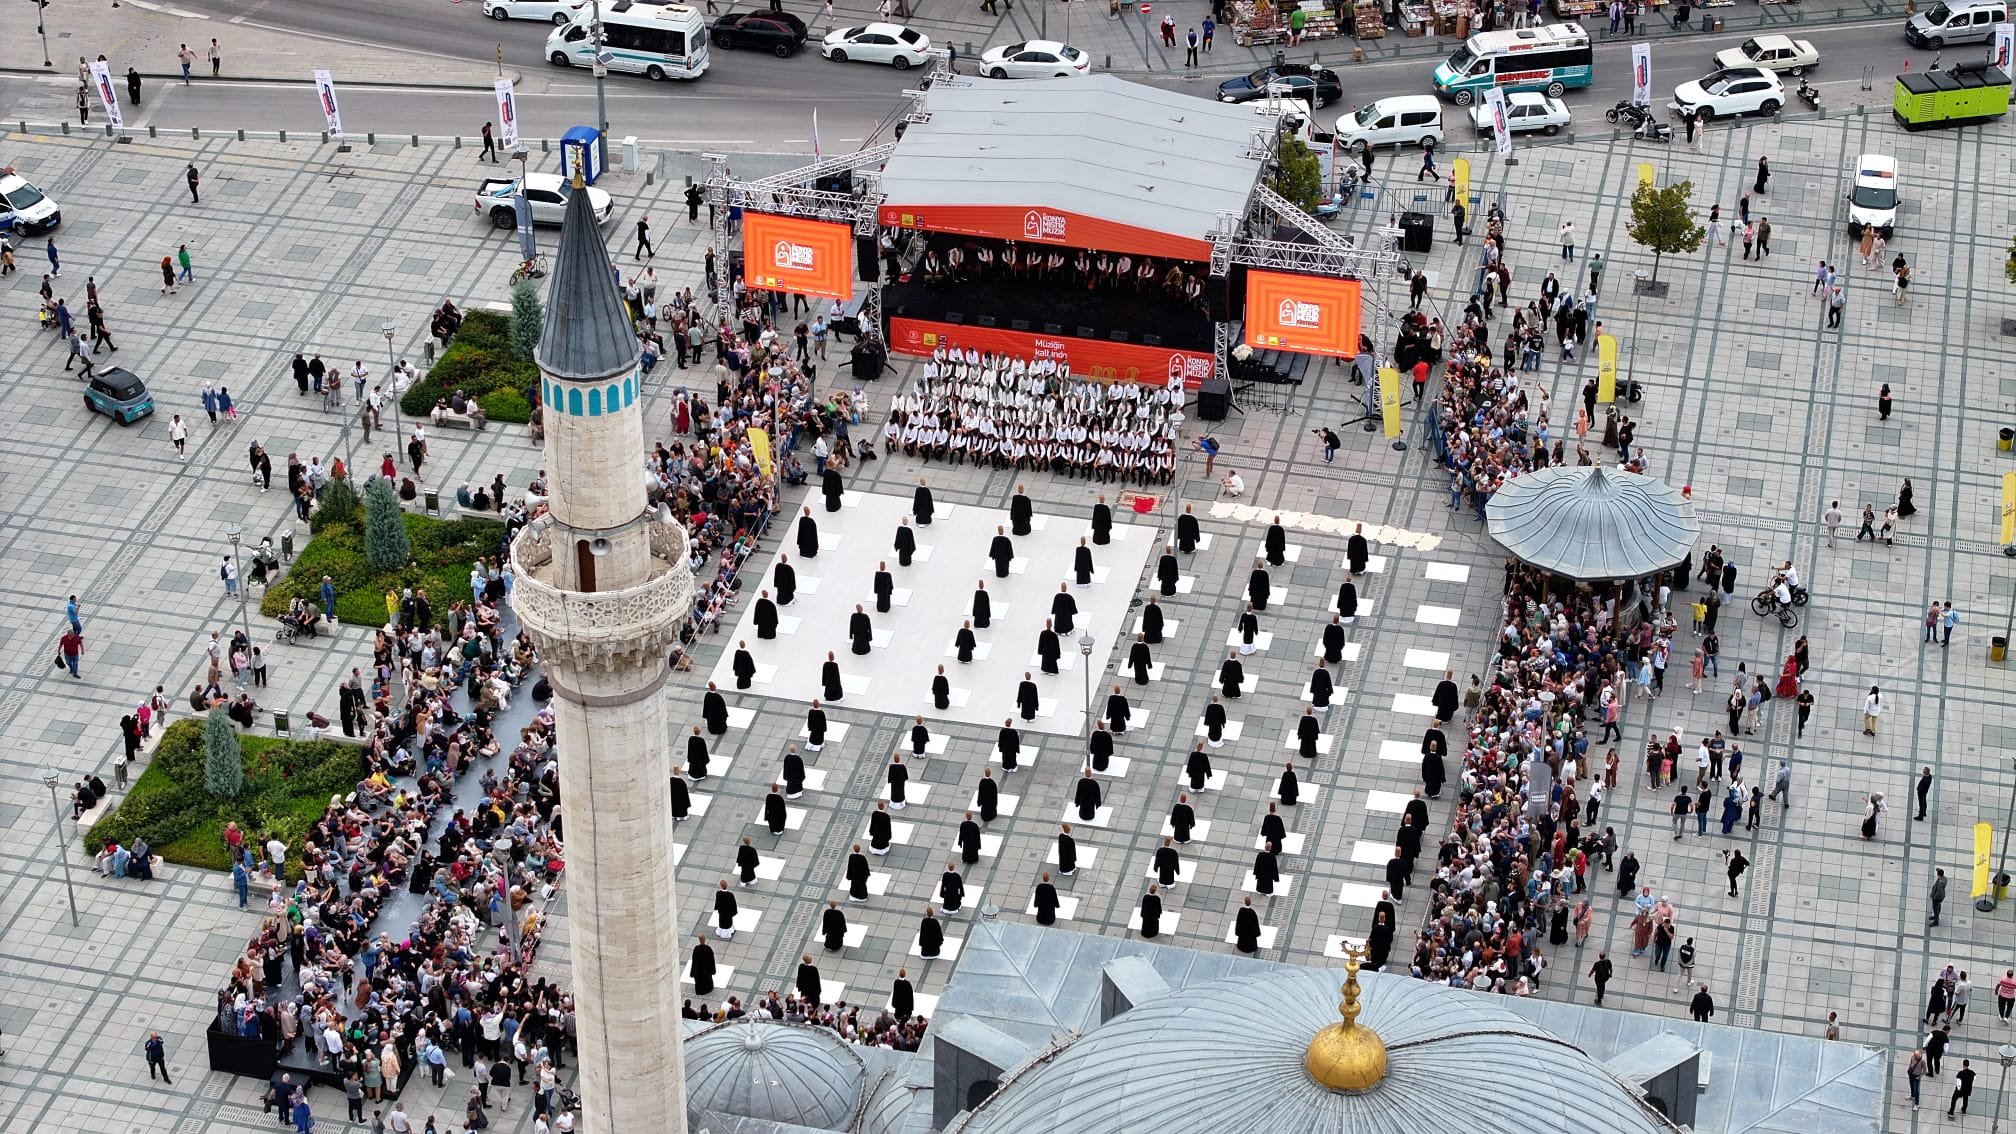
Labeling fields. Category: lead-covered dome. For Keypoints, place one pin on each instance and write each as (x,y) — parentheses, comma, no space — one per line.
(1231,1055)
(794,1074)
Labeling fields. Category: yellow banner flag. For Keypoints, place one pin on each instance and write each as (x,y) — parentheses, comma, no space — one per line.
(1984,842)
(1644,174)
(759,447)
(1459,178)
(1389,400)
(1606,368)
(2008,508)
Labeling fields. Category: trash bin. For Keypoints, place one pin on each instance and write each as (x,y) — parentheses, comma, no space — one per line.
(1998,648)
(2002,886)
(2005,439)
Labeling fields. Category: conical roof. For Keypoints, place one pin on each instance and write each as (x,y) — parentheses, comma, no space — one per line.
(588,334)
(1593,524)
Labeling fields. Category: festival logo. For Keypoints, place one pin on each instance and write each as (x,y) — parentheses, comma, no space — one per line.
(1039,225)
(789,255)
(1295,313)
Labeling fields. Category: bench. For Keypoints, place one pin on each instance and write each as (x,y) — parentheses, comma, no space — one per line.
(449,419)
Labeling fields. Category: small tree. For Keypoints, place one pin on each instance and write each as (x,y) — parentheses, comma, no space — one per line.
(2009,265)
(1300,178)
(223,759)
(1663,220)
(528,318)
(386,545)
(339,502)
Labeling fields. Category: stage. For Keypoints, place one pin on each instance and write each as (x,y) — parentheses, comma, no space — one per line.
(933,598)
(1147,318)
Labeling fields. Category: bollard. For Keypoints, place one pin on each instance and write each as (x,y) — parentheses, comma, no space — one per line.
(458,141)
(241,134)
(152,132)
(283,137)
(371,139)
(325,137)
(195,133)
(65,125)
(416,141)
(650,179)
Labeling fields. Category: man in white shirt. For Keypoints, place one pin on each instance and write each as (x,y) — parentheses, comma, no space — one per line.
(1233,485)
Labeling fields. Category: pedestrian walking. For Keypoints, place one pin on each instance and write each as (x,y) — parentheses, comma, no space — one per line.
(1566,234)
(1763,176)
(489,146)
(157,1057)
(1737,865)
(2005,996)
(228,571)
(1872,710)
(216,59)
(1599,974)
(1924,788)
(644,250)
(1763,237)
(83,105)
(55,257)
(1837,300)
(1702,1006)
(187,265)
(1903,272)
(195,179)
(1427,160)
(80,351)
(1749,238)
(187,59)
(1937,896)
(1832,518)
(178,436)
(1963,1086)
(101,335)
(1915,1070)
(69,648)
(133,85)
(1210,28)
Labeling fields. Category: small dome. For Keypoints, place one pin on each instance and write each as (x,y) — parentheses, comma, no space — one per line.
(890,1104)
(786,1073)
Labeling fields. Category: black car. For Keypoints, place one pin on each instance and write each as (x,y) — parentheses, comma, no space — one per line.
(1298,79)
(779,33)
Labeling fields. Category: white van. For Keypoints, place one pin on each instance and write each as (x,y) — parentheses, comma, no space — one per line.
(1401,120)
(657,41)
(1956,21)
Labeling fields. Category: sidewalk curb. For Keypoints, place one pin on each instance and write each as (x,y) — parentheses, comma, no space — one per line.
(291,80)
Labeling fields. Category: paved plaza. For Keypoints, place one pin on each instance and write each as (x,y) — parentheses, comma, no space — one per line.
(1747,399)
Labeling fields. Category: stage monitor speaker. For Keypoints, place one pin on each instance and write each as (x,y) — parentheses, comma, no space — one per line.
(1218,291)
(1053,328)
(1088,332)
(1018,324)
(1214,399)
(1117,336)
(955,316)
(867,260)
(1151,340)
(1417,232)
(987,320)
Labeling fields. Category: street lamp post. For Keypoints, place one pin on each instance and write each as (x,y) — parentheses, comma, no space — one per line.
(2002,860)
(49,778)
(2007,1054)
(389,329)
(601,94)
(236,535)
(1085,644)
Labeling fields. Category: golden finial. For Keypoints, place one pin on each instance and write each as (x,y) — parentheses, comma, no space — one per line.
(1348,1056)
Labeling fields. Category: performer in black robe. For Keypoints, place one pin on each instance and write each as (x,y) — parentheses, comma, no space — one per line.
(744,666)
(701,966)
(921,504)
(714,710)
(1151,913)
(833,926)
(831,486)
(1320,688)
(1231,676)
(774,812)
(1379,942)
(746,861)
(1249,630)
(1020,511)
(1198,768)
(815,727)
(1356,551)
(969,840)
(1276,543)
(1048,648)
(1064,609)
(902,997)
(829,679)
(1416,810)
(1067,852)
(1045,902)
(1102,522)
(920,739)
(898,778)
(885,588)
(764,615)
(965,641)
(951,889)
(1118,712)
(1214,722)
(808,982)
(941,690)
(696,755)
(1434,746)
(1333,641)
(881,830)
(1139,659)
(724,911)
(1166,572)
(1259,586)
(1001,551)
(794,773)
(857,875)
(1446,698)
(1081,563)
(785,578)
(1307,731)
(1347,601)
(1266,869)
(860,631)
(1273,829)
(1087,797)
(1246,928)
(1187,531)
(808,538)
(1182,818)
(988,796)
(682,799)
(1099,747)
(1168,863)
(1290,788)
(905,544)
(983,606)
(1396,876)
(1026,698)
(1009,744)
(1151,621)
(930,936)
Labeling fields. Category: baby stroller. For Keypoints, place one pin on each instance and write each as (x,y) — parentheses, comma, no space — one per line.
(299,620)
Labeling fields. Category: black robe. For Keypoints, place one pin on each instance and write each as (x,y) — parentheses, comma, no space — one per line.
(1067,854)
(1167,573)
(1289,789)
(1357,551)
(815,726)
(989,799)
(1002,552)
(861,632)
(951,892)
(785,579)
(794,775)
(1433,747)
(921,505)
(808,539)
(965,641)
(696,757)
(857,876)
(1102,524)
(1396,877)
(1117,712)
(906,544)
(1214,722)
(1246,928)
(1026,699)
(1230,676)
(903,998)
(1259,588)
(1081,565)
(1187,532)
(1087,797)
(808,982)
(930,937)
(765,617)
(724,909)
(1266,871)
(1140,661)
(941,692)
(682,800)
(1347,599)
(1445,699)
(1009,744)
(1168,865)
(829,681)
(1064,612)
(885,590)
(1151,915)
(1379,944)
(1151,624)
(1198,768)
(714,710)
(830,484)
(1182,821)
(1100,747)
(1048,650)
(746,861)
(1249,627)
(1276,544)
(1020,511)
(744,667)
(1307,731)
(880,830)
(774,813)
(899,780)
(1320,688)
(969,841)
(1273,829)
(1333,644)
(701,967)
(833,927)
(1045,903)
(983,609)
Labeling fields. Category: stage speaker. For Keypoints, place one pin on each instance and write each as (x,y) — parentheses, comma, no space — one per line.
(1214,399)
(1218,292)
(1088,332)
(1417,232)
(987,320)
(1053,328)
(1151,340)
(1117,336)
(955,316)
(1018,324)
(867,259)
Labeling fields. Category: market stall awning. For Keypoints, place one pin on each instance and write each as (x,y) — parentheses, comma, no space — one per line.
(1593,524)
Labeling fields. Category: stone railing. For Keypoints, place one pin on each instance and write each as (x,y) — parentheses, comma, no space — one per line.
(595,630)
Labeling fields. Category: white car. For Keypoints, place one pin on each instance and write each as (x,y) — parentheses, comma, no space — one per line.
(1035,59)
(1873,203)
(1525,111)
(547,193)
(1772,53)
(894,44)
(559,13)
(26,209)
(1730,92)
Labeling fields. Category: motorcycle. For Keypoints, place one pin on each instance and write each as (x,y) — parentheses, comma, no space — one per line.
(1808,93)
(1625,108)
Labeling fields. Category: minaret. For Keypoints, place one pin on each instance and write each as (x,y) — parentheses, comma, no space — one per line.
(603,587)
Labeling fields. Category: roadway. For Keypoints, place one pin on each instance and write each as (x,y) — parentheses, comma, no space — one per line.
(756,103)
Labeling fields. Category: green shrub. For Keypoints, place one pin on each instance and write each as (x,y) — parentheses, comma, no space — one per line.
(441,551)
(339,503)
(528,319)
(506,405)
(223,761)
(287,784)
(480,361)
(386,545)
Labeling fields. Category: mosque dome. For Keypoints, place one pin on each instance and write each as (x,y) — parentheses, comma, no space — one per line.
(793,1074)
(889,1104)
(1244,1053)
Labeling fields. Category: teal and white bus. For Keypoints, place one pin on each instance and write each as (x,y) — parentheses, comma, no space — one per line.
(658,41)
(1549,59)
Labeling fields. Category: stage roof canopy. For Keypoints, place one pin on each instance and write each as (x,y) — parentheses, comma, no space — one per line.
(1093,162)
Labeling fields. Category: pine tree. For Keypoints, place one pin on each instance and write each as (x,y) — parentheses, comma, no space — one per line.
(339,502)
(1663,220)
(528,318)
(223,760)
(386,545)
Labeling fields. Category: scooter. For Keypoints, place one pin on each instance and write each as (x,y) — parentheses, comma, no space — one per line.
(1808,93)
(1651,130)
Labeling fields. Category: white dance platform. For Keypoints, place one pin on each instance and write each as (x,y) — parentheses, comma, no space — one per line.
(915,637)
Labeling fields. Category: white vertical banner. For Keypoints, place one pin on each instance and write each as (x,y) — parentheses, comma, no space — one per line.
(1501,127)
(2005,39)
(101,77)
(507,114)
(325,93)
(1641,74)
(815,136)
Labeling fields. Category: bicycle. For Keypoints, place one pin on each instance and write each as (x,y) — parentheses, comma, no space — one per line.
(1767,603)
(533,269)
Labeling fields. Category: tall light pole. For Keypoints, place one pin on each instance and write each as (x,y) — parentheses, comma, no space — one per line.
(1085,644)
(389,329)
(2007,1054)
(49,778)
(42,29)
(236,534)
(601,95)
(2002,860)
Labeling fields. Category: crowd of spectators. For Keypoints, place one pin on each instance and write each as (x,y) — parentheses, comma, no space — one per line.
(881,1029)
